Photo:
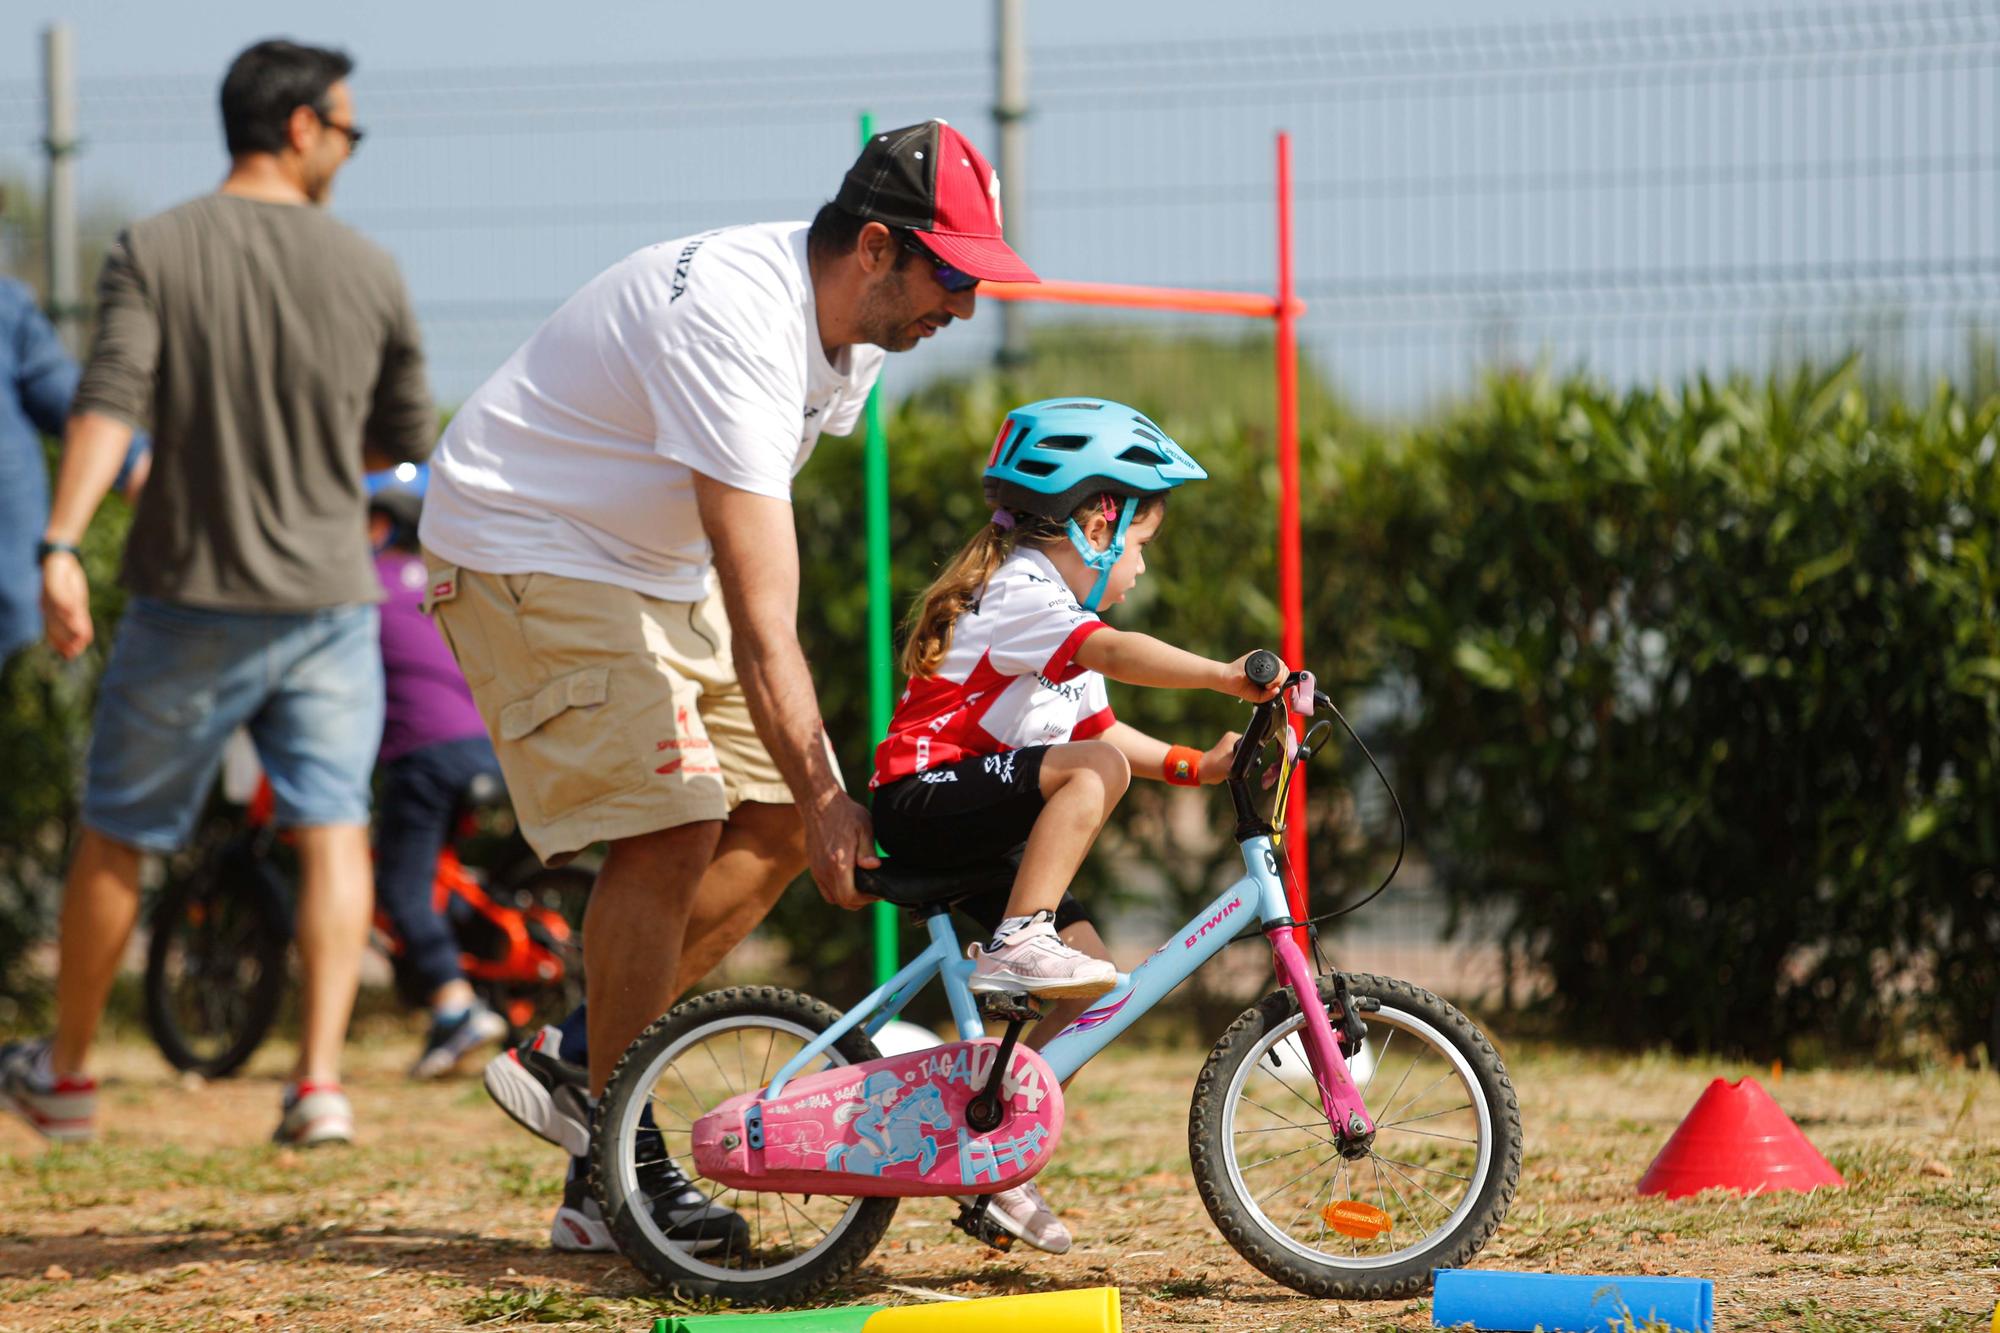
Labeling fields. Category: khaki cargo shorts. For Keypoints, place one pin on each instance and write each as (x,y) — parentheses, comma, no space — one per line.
(614,714)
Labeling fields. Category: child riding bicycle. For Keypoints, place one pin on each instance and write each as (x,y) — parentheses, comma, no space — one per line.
(1004,744)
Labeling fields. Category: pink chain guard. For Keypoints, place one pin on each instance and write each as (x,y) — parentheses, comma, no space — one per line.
(888,1127)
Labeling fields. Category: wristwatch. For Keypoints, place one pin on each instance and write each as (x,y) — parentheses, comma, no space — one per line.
(44,549)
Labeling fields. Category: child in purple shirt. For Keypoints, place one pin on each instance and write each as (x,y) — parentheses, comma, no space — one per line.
(434,750)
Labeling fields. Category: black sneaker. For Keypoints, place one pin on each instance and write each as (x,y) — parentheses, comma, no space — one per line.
(544,1093)
(680,1208)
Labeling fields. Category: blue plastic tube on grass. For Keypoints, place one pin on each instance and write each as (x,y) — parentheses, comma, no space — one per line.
(1494,1302)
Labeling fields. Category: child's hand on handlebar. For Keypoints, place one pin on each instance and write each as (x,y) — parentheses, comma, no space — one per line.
(1237,685)
(1215,764)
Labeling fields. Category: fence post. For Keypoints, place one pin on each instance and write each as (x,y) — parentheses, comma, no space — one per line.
(1010,115)
(59,207)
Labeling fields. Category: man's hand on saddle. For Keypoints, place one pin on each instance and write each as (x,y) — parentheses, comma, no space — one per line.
(840,835)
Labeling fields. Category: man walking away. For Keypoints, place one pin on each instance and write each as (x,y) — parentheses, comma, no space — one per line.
(268,345)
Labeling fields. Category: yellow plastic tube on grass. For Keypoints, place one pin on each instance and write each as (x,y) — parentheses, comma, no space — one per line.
(1092,1310)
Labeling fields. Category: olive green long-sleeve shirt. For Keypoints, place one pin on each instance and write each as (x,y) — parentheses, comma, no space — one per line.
(264,344)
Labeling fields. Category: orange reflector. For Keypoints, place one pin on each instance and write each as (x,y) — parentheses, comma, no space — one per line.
(1351,1217)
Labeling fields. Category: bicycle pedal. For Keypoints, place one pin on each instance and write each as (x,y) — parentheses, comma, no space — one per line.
(974,1222)
(1013,1008)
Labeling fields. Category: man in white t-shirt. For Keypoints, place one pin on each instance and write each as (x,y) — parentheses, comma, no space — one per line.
(612,557)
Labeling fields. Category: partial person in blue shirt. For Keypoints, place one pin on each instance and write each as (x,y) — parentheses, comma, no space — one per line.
(37,381)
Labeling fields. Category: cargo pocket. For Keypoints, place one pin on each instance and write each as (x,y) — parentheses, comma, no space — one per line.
(566,742)
(456,614)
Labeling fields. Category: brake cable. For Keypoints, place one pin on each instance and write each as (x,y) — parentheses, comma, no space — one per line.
(1402,826)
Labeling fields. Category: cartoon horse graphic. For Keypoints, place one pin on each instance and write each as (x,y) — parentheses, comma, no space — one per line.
(893,1129)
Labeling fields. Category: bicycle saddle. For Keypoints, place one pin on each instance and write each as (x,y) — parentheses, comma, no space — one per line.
(928,888)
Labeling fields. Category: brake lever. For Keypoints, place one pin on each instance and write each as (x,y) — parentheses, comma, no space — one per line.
(1302,694)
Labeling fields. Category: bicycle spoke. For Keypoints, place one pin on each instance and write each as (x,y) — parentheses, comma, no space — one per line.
(660,1101)
(1402,1128)
(1390,1100)
(1332,1183)
(1313,1128)
(1317,1108)
(1381,1058)
(1418,1185)
(708,1049)
(1428,1115)
(1300,1176)
(1419,1166)
(802,1213)
(1266,1161)
(1449,1072)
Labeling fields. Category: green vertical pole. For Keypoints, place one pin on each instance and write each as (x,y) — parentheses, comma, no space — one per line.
(881,681)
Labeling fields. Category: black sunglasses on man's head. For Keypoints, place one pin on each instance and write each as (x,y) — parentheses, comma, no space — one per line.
(951,279)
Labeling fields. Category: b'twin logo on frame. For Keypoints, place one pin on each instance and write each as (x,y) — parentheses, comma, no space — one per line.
(1228,910)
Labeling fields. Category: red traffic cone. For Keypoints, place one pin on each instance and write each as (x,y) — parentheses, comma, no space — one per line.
(1737,1138)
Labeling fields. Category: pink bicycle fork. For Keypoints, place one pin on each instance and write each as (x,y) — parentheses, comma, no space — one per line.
(1341,1100)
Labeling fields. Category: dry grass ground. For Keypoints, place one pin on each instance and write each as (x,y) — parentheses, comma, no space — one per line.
(182,1217)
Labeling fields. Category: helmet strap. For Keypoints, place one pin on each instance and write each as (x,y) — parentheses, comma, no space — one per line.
(1102,561)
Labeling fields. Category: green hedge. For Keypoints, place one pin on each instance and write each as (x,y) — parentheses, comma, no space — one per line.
(1706,694)
(1696,691)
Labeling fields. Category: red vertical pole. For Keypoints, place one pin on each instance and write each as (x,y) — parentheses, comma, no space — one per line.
(1291,604)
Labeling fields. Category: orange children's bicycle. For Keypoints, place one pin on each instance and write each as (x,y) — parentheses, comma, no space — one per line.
(215,966)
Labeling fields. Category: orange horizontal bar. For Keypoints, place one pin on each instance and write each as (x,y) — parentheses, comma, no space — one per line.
(1254,305)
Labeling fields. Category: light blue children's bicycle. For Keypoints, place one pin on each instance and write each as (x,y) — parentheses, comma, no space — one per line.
(1349,1133)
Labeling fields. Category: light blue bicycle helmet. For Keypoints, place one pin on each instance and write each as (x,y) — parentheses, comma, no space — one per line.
(1053,455)
(399,492)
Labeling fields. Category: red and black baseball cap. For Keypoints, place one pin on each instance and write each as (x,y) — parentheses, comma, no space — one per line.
(929,179)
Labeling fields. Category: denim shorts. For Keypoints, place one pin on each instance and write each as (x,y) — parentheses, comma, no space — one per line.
(307,684)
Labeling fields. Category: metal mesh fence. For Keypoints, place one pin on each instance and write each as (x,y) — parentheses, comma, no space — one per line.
(1646,199)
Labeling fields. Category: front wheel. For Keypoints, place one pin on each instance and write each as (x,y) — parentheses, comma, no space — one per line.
(1443,1166)
(785,1247)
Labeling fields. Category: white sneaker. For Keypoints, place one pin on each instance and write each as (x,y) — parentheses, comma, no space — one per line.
(1024,1214)
(1034,961)
(315,1113)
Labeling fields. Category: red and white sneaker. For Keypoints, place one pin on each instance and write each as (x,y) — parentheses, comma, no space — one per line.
(62,1109)
(315,1113)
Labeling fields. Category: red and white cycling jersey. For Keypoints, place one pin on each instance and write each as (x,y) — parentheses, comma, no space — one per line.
(1008,681)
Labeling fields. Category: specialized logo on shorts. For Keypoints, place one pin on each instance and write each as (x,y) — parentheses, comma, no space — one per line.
(937,775)
(444,590)
(1001,765)
(696,752)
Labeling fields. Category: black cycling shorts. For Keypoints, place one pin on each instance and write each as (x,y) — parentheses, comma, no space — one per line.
(971,813)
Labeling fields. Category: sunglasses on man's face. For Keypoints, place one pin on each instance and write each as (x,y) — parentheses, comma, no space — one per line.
(354,134)
(951,279)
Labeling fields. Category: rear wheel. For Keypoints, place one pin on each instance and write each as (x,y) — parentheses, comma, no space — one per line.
(215,966)
(703,1052)
(1443,1166)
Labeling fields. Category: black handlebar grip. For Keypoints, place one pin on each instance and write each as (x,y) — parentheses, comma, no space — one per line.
(1262,667)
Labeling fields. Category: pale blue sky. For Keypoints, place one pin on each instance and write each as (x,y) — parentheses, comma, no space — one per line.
(1648,187)
(143,37)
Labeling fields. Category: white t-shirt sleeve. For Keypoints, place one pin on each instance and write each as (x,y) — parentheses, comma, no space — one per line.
(727,412)
(1035,626)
